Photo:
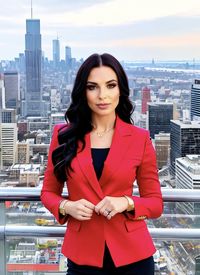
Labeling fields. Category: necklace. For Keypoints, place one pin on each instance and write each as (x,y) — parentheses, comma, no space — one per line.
(100,134)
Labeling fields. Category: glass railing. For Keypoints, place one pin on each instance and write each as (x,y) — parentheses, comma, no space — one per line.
(31,239)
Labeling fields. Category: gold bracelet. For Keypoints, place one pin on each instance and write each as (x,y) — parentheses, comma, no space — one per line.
(130,203)
(62,207)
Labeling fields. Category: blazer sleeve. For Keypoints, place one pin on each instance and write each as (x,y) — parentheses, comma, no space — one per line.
(150,202)
(51,193)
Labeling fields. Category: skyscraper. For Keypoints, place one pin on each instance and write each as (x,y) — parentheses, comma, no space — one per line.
(159,116)
(146,97)
(56,52)
(188,177)
(195,100)
(68,57)
(33,53)
(184,140)
(12,90)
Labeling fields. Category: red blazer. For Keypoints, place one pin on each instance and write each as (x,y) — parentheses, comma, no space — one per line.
(131,157)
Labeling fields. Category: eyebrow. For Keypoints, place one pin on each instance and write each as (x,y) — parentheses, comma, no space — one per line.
(94,83)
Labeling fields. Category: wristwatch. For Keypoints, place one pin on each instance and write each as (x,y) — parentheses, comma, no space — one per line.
(131,205)
(62,207)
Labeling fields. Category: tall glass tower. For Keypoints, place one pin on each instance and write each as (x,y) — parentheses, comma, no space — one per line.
(158,117)
(195,100)
(184,140)
(56,52)
(33,54)
(68,57)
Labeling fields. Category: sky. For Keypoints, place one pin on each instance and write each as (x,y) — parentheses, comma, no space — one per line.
(132,30)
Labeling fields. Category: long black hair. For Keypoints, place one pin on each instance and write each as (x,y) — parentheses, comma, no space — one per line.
(78,114)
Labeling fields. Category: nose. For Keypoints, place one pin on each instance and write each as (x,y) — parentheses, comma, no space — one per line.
(102,93)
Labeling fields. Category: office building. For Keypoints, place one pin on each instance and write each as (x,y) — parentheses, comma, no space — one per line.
(162,147)
(56,52)
(68,57)
(184,140)
(12,90)
(158,117)
(146,97)
(188,177)
(195,100)
(37,123)
(33,52)
(2,96)
(8,116)
(56,119)
(8,140)
(22,62)
(23,152)
(2,93)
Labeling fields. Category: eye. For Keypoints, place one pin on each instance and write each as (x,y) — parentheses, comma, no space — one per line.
(111,85)
(90,87)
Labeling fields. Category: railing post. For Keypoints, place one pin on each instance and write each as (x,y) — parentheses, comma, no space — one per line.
(2,239)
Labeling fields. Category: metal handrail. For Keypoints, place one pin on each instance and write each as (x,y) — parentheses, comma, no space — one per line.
(29,231)
(58,231)
(33,194)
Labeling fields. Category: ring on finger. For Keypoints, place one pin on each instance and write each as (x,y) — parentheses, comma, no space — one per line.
(107,212)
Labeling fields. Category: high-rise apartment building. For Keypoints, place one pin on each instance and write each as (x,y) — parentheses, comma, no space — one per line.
(158,117)
(188,177)
(33,52)
(12,90)
(184,140)
(162,147)
(146,97)
(195,100)
(56,52)
(8,139)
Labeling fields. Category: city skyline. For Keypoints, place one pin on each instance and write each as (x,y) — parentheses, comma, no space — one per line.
(128,29)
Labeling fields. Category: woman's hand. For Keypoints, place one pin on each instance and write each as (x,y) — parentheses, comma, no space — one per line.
(81,210)
(110,206)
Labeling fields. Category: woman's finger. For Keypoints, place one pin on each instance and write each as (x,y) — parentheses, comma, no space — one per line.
(111,214)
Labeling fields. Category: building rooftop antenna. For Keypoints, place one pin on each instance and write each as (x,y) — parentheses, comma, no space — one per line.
(31,10)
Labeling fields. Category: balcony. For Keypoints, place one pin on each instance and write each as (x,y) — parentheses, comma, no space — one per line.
(30,238)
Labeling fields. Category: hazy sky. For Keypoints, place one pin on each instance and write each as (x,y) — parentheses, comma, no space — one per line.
(129,29)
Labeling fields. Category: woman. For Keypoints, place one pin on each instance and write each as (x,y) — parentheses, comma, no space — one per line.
(100,154)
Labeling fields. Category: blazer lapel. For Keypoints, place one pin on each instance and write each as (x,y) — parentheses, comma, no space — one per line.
(87,168)
(120,145)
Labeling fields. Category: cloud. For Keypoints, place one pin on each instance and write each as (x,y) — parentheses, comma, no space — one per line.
(118,12)
(131,27)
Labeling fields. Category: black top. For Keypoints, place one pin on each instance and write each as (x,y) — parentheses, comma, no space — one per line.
(99,155)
